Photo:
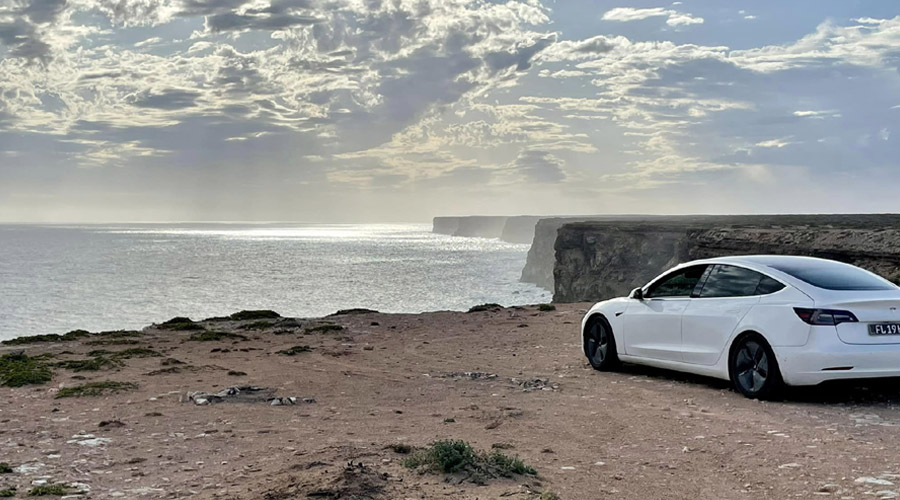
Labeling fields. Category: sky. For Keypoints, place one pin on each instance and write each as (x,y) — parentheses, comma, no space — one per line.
(401,110)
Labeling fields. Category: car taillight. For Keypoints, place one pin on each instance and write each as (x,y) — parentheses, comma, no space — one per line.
(825,316)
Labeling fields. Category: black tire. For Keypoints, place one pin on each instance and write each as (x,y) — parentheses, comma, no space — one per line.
(600,344)
(753,368)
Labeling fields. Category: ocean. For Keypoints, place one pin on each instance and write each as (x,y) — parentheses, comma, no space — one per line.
(101,277)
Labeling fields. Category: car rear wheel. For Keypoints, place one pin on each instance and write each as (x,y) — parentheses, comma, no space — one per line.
(754,369)
(600,345)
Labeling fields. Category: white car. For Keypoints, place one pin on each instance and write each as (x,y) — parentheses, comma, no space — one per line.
(759,321)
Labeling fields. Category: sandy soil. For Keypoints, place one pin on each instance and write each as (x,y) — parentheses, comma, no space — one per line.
(635,434)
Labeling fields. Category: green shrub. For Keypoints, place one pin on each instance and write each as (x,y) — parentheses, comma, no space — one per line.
(444,456)
(257,314)
(207,336)
(18,369)
(324,329)
(546,307)
(508,466)
(95,389)
(57,490)
(7,492)
(485,307)
(452,456)
(297,349)
(5,468)
(180,323)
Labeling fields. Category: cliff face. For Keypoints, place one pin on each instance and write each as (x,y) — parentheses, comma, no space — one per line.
(602,259)
(542,254)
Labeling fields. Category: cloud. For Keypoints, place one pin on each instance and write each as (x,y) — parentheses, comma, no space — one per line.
(673,18)
(171,99)
(539,166)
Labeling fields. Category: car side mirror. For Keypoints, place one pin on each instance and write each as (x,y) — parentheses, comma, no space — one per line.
(637,294)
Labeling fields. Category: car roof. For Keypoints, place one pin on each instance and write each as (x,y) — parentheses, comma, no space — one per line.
(772,260)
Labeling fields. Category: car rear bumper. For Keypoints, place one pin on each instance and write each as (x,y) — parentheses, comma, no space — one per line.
(825,357)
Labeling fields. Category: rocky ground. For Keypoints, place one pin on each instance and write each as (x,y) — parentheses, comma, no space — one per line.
(512,380)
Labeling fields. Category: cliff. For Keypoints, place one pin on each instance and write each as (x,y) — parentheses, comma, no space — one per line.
(514,229)
(542,254)
(596,260)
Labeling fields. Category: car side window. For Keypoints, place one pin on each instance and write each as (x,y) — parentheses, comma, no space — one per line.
(768,285)
(681,283)
(733,281)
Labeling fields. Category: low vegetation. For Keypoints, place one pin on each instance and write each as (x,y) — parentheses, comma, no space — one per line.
(180,323)
(5,468)
(457,456)
(546,307)
(39,339)
(324,329)
(297,349)
(7,492)
(134,352)
(57,490)
(18,369)
(109,342)
(95,389)
(355,310)
(207,336)
(485,307)
(257,314)
(94,364)
(258,325)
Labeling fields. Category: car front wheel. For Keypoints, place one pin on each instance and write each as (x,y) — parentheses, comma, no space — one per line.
(600,345)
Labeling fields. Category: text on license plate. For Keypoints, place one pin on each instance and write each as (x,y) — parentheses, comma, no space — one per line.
(885,329)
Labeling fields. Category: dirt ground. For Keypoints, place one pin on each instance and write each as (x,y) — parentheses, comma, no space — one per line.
(414,379)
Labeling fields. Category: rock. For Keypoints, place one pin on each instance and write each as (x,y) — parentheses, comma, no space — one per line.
(873,481)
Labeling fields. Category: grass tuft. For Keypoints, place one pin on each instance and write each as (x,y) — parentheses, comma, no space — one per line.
(5,468)
(452,456)
(297,349)
(8,492)
(485,307)
(18,369)
(207,336)
(95,389)
(546,307)
(254,314)
(324,329)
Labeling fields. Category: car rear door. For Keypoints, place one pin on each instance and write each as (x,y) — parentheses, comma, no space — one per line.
(652,326)
(725,296)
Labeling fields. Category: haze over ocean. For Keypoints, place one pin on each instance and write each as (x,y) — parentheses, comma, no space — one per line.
(98,277)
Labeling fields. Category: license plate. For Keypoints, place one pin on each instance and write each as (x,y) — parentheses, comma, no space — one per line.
(885,329)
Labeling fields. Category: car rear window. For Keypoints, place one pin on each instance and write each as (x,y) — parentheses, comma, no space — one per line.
(834,276)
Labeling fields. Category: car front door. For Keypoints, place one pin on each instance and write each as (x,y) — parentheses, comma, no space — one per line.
(652,325)
(726,295)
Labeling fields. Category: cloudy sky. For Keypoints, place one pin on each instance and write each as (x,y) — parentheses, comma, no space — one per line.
(399,110)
